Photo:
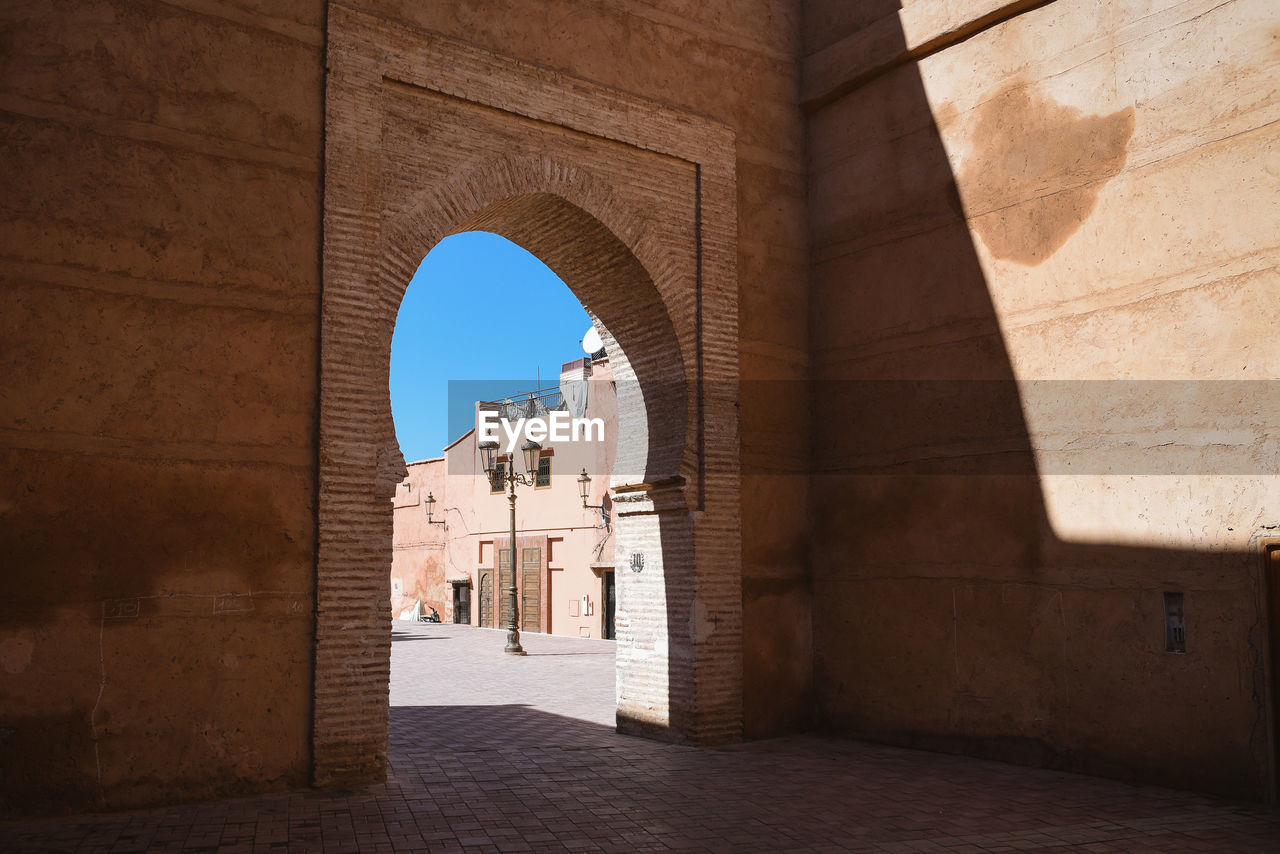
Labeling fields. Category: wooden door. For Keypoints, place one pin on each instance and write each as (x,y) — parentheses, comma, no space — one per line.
(486,599)
(531,589)
(504,587)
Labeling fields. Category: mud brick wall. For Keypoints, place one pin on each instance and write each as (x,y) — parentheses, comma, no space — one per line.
(1044,271)
(159,252)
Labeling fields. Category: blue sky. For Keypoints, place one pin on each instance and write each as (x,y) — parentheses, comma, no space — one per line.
(479,308)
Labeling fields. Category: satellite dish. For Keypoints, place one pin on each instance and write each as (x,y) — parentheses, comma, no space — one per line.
(591,342)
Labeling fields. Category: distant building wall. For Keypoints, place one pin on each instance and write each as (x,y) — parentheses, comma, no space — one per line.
(418,545)
(575,547)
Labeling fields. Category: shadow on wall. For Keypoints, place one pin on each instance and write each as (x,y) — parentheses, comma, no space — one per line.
(398,637)
(95,590)
(947,613)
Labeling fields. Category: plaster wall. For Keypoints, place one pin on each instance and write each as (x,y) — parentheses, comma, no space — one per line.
(161,244)
(419,556)
(575,546)
(1044,262)
(735,63)
(159,252)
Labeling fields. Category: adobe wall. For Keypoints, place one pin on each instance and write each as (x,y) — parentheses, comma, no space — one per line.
(1011,202)
(965,192)
(469,520)
(574,543)
(160,245)
(419,551)
(162,225)
(734,63)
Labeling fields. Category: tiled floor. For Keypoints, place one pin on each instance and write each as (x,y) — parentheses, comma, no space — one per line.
(492,753)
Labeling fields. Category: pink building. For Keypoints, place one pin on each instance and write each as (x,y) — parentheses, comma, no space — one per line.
(452,524)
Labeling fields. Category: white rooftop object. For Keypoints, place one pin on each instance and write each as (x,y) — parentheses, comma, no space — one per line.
(591,342)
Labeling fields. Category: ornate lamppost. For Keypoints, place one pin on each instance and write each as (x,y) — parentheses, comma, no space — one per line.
(489,459)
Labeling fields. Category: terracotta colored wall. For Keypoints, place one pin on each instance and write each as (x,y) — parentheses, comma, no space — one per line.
(733,62)
(968,192)
(159,246)
(428,555)
(418,544)
(547,513)
(1043,203)
(161,227)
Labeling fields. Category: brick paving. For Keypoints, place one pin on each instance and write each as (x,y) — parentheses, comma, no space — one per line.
(493,753)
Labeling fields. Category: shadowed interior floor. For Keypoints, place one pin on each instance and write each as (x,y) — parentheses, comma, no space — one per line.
(486,773)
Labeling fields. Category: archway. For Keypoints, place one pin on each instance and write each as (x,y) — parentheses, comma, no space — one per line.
(654,475)
(633,206)
(660,618)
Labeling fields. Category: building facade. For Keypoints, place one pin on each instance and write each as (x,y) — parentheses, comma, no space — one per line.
(452,525)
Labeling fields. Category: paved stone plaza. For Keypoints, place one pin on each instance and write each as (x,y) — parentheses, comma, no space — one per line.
(494,753)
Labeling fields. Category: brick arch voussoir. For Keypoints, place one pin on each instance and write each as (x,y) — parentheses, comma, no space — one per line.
(432,214)
(637,317)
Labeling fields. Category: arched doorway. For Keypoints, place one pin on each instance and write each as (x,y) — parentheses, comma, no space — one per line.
(637,218)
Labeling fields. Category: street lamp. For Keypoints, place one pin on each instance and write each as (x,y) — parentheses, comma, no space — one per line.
(489,459)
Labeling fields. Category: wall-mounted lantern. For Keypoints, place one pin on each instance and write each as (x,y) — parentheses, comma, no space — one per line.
(430,504)
(584,489)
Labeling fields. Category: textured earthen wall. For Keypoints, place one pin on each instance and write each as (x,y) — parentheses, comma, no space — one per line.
(419,556)
(985,192)
(161,244)
(1005,203)
(159,249)
(733,62)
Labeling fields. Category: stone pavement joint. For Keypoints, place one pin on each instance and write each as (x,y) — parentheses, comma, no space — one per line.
(494,753)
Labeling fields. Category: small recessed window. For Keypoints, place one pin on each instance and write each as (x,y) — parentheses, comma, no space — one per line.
(498,479)
(1175,624)
(544,471)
